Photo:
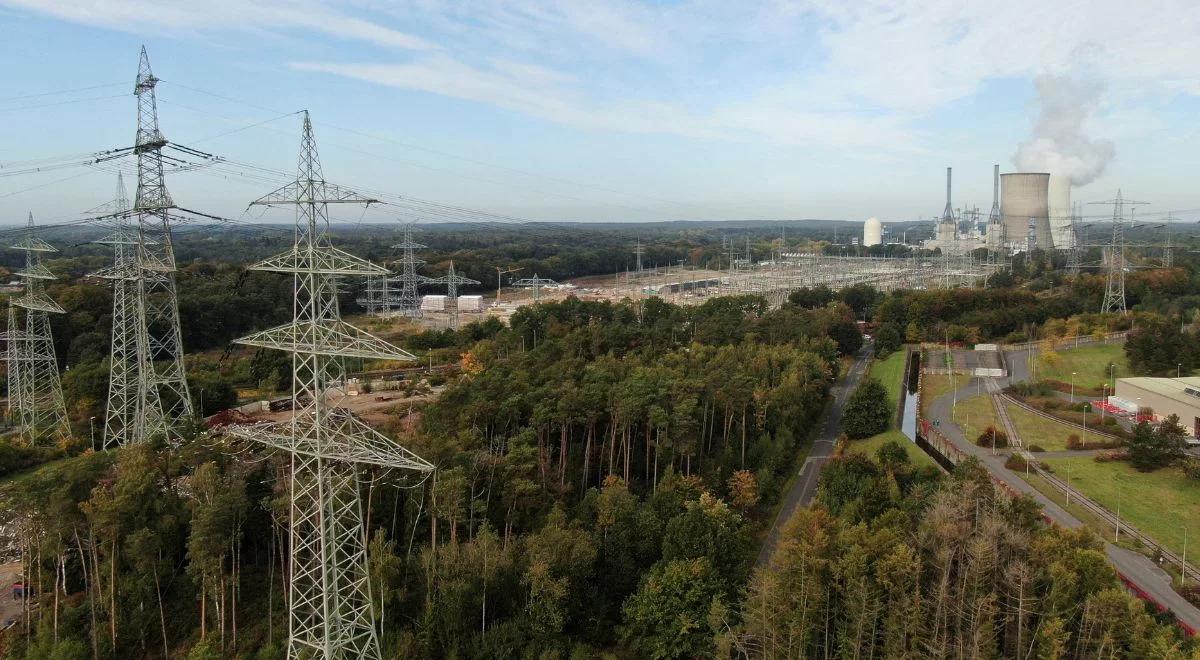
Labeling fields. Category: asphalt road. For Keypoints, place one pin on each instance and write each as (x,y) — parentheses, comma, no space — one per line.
(1136,567)
(804,487)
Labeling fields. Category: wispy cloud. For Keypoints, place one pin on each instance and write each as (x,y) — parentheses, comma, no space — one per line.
(184,16)
(808,72)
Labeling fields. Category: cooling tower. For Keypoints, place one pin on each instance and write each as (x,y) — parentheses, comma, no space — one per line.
(872,232)
(1023,198)
(1059,203)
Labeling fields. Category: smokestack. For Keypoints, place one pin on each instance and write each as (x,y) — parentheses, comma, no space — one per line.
(995,185)
(948,214)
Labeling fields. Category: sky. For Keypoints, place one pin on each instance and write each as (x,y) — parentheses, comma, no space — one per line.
(577,110)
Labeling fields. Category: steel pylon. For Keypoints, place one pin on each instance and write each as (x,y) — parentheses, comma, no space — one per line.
(330,610)
(536,283)
(408,300)
(1114,286)
(35,391)
(148,392)
(452,280)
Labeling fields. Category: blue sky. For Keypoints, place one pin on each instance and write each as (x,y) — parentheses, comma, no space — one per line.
(619,111)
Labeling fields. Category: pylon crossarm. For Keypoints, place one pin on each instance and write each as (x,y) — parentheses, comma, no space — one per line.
(35,272)
(33,244)
(38,302)
(124,236)
(343,438)
(326,337)
(325,261)
(297,192)
(117,272)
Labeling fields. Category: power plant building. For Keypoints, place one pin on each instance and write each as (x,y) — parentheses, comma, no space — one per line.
(1025,209)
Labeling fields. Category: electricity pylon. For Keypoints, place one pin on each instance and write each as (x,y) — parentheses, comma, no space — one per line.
(536,283)
(408,301)
(1114,287)
(123,374)
(452,279)
(377,298)
(39,408)
(330,610)
(148,392)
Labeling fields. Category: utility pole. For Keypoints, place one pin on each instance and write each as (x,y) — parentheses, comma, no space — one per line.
(499,272)
(33,366)
(329,600)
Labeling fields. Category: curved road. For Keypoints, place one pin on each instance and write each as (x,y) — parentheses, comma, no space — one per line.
(1136,567)
(804,487)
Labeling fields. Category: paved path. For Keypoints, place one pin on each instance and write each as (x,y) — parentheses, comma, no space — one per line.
(804,487)
(1136,567)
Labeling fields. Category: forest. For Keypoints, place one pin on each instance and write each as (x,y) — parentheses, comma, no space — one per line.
(605,472)
(588,439)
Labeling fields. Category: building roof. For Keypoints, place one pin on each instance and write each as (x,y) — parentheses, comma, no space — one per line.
(1183,390)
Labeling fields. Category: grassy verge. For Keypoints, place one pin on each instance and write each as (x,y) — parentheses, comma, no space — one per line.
(869,446)
(1036,430)
(1162,504)
(1089,363)
(935,385)
(890,372)
(974,414)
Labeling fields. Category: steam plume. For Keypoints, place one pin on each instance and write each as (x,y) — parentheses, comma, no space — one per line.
(1059,145)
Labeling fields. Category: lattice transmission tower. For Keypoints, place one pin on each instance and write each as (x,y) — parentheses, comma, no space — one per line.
(124,362)
(408,297)
(148,393)
(452,280)
(1114,288)
(36,398)
(536,283)
(377,297)
(330,611)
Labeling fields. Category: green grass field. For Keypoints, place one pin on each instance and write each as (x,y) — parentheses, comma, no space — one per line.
(1161,504)
(890,372)
(1037,430)
(935,385)
(1090,364)
(871,444)
(974,414)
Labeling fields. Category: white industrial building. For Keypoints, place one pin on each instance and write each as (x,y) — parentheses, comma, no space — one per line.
(470,303)
(433,303)
(1164,397)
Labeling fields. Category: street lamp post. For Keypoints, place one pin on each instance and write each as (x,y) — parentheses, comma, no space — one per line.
(1073,387)
(92,431)
(1178,367)
(1068,484)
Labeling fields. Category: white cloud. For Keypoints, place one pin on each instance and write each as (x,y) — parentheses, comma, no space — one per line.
(183,16)
(809,72)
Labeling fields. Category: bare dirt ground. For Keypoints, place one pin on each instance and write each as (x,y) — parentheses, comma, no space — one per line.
(376,408)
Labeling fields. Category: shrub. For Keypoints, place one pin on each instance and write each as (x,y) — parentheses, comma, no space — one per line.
(990,434)
(1035,448)
(1016,462)
(1106,456)
(1074,441)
